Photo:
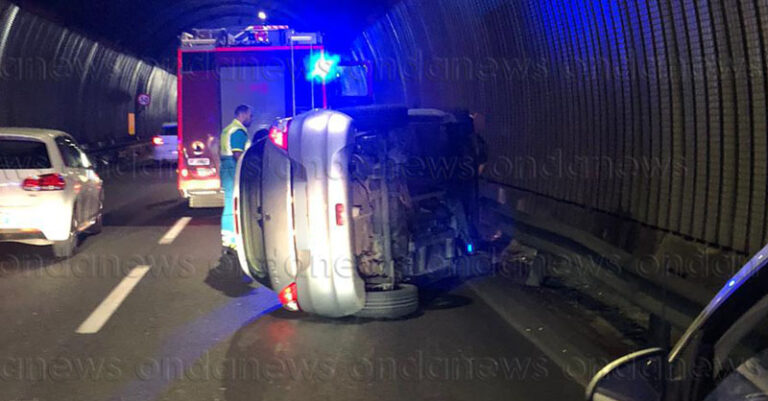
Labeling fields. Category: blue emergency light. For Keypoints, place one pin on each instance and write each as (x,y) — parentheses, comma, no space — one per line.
(322,67)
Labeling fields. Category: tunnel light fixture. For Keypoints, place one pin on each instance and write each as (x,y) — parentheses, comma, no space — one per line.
(262,15)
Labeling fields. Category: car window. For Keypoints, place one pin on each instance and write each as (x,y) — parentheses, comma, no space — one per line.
(22,154)
(73,156)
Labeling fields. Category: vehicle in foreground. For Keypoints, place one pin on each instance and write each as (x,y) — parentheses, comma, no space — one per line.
(722,356)
(339,212)
(49,190)
(165,146)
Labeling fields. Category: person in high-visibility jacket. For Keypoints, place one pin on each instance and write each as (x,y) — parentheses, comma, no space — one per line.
(234,141)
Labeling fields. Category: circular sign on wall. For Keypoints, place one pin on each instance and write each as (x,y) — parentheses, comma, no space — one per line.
(144,99)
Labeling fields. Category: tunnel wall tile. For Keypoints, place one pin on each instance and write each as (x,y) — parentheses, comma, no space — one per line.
(52,77)
(652,112)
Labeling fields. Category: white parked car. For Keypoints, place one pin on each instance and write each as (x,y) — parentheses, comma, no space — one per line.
(49,190)
(166,145)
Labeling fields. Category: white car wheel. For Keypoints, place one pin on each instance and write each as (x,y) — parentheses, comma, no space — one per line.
(66,249)
(99,224)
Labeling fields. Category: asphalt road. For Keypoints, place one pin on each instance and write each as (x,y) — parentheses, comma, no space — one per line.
(186,330)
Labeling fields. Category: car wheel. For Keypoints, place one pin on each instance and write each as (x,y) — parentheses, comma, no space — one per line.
(99,224)
(392,304)
(66,249)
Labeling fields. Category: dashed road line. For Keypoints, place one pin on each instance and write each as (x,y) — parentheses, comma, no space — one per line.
(174,232)
(104,311)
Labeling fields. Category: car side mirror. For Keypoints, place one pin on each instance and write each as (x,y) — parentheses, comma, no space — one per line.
(636,377)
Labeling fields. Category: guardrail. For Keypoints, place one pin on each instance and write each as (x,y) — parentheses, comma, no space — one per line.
(670,303)
(119,152)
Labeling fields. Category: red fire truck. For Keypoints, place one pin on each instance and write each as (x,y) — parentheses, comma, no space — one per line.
(269,67)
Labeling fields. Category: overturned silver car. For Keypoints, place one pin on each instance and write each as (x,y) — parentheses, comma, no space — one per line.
(341,211)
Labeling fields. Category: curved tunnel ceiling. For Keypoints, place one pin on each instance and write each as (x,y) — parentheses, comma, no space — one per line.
(630,119)
(150,28)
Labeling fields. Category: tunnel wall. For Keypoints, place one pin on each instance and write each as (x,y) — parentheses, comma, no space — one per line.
(615,116)
(52,77)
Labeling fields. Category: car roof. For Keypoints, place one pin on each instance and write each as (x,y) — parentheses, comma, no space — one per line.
(37,133)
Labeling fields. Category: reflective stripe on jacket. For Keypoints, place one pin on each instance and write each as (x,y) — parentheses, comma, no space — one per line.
(226,138)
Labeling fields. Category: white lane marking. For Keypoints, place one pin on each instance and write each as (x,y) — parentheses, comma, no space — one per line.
(109,305)
(174,232)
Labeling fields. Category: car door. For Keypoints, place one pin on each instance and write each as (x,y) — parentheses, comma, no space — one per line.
(75,173)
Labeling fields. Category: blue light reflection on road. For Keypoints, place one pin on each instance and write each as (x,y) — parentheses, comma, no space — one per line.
(190,342)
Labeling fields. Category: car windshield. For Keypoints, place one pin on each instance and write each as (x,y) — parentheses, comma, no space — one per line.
(18,154)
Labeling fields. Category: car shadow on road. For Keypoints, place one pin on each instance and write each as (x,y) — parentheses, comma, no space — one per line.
(306,354)
(227,278)
(18,258)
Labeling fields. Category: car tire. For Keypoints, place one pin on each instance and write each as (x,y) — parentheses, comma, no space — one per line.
(66,249)
(98,226)
(393,304)
(378,117)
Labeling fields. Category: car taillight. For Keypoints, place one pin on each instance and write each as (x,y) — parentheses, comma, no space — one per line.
(157,140)
(279,137)
(48,182)
(289,297)
(339,214)
(278,134)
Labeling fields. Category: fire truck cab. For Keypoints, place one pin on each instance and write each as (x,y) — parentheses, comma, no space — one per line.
(269,67)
